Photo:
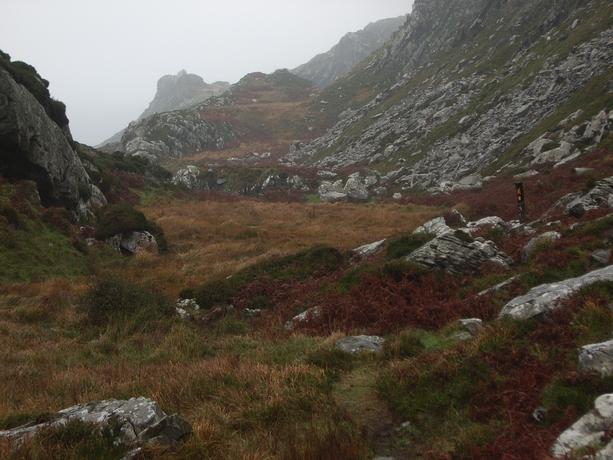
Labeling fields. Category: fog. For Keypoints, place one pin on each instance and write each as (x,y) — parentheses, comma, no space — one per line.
(104,57)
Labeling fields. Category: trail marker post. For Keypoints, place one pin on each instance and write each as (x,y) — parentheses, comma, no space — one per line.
(521,201)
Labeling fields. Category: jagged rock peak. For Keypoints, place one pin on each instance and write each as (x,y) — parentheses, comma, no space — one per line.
(353,48)
(180,91)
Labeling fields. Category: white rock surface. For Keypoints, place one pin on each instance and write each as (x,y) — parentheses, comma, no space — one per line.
(360,344)
(597,357)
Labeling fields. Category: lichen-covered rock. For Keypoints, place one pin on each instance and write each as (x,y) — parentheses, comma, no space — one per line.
(360,344)
(189,177)
(601,196)
(547,297)
(332,192)
(588,433)
(597,357)
(34,147)
(355,188)
(140,420)
(537,242)
(457,252)
(134,243)
(472,325)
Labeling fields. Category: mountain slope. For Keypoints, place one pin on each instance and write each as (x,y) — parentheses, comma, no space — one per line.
(175,92)
(259,108)
(464,86)
(354,47)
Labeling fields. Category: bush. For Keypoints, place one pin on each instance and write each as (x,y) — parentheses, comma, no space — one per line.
(72,441)
(123,218)
(112,300)
(405,245)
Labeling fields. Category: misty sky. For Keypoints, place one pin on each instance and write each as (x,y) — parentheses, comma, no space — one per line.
(104,57)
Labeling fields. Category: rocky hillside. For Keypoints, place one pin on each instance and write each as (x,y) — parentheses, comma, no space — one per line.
(465,86)
(35,141)
(259,107)
(175,92)
(324,69)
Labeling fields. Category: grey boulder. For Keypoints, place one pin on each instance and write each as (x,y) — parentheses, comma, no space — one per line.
(134,243)
(140,420)
(189,177)
(360,344)
(597,357)
(588,432)
(537,242)
(546,297)
(369,249)
(457,252)
(601,196)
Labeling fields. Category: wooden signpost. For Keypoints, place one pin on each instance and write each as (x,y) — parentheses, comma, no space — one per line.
(521,201)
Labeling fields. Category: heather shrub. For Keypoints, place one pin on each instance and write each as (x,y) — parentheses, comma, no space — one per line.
(333,361)
(405,245)
(123,218)
(113,300)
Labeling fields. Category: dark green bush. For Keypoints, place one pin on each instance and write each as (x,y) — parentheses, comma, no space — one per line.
(113,300)
(399,269)
(405,245)
(122,218)
(332,361)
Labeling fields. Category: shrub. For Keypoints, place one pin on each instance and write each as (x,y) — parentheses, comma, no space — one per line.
(111,300)
(123,218)
(72,441)
(405,245)
(332,361)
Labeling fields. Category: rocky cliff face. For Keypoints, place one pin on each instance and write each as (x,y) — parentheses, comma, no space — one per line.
(176,92)
(34,147)
(354,47)
(465,86)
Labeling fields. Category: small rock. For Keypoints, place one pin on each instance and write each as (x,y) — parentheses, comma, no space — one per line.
(597,357)
(583,171)
(369,249)
(303,318)
(436,227)
(601,196)
(133,243)
(360,344)
(539,415)
(472,325)
(397,196)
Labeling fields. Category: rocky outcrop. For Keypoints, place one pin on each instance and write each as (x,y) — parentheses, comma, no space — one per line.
(439,117)
(360,344)
(174,134)
(457,252)
(181,91)
(34,147)
(597,357)
(601,196)
(354,189)
(139,421)
(588,433)
(353,48)
(547,297)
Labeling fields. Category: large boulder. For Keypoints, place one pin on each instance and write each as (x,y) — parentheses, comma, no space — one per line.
(134,243)
(303,318)
(597,357)
(140,420)
(547,297)
(355,188)
(34,147)
(588,433)
(436,227)
(332,192)
(457,252)
(601,196)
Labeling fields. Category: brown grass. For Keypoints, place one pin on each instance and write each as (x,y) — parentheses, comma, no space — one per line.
(210,239)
